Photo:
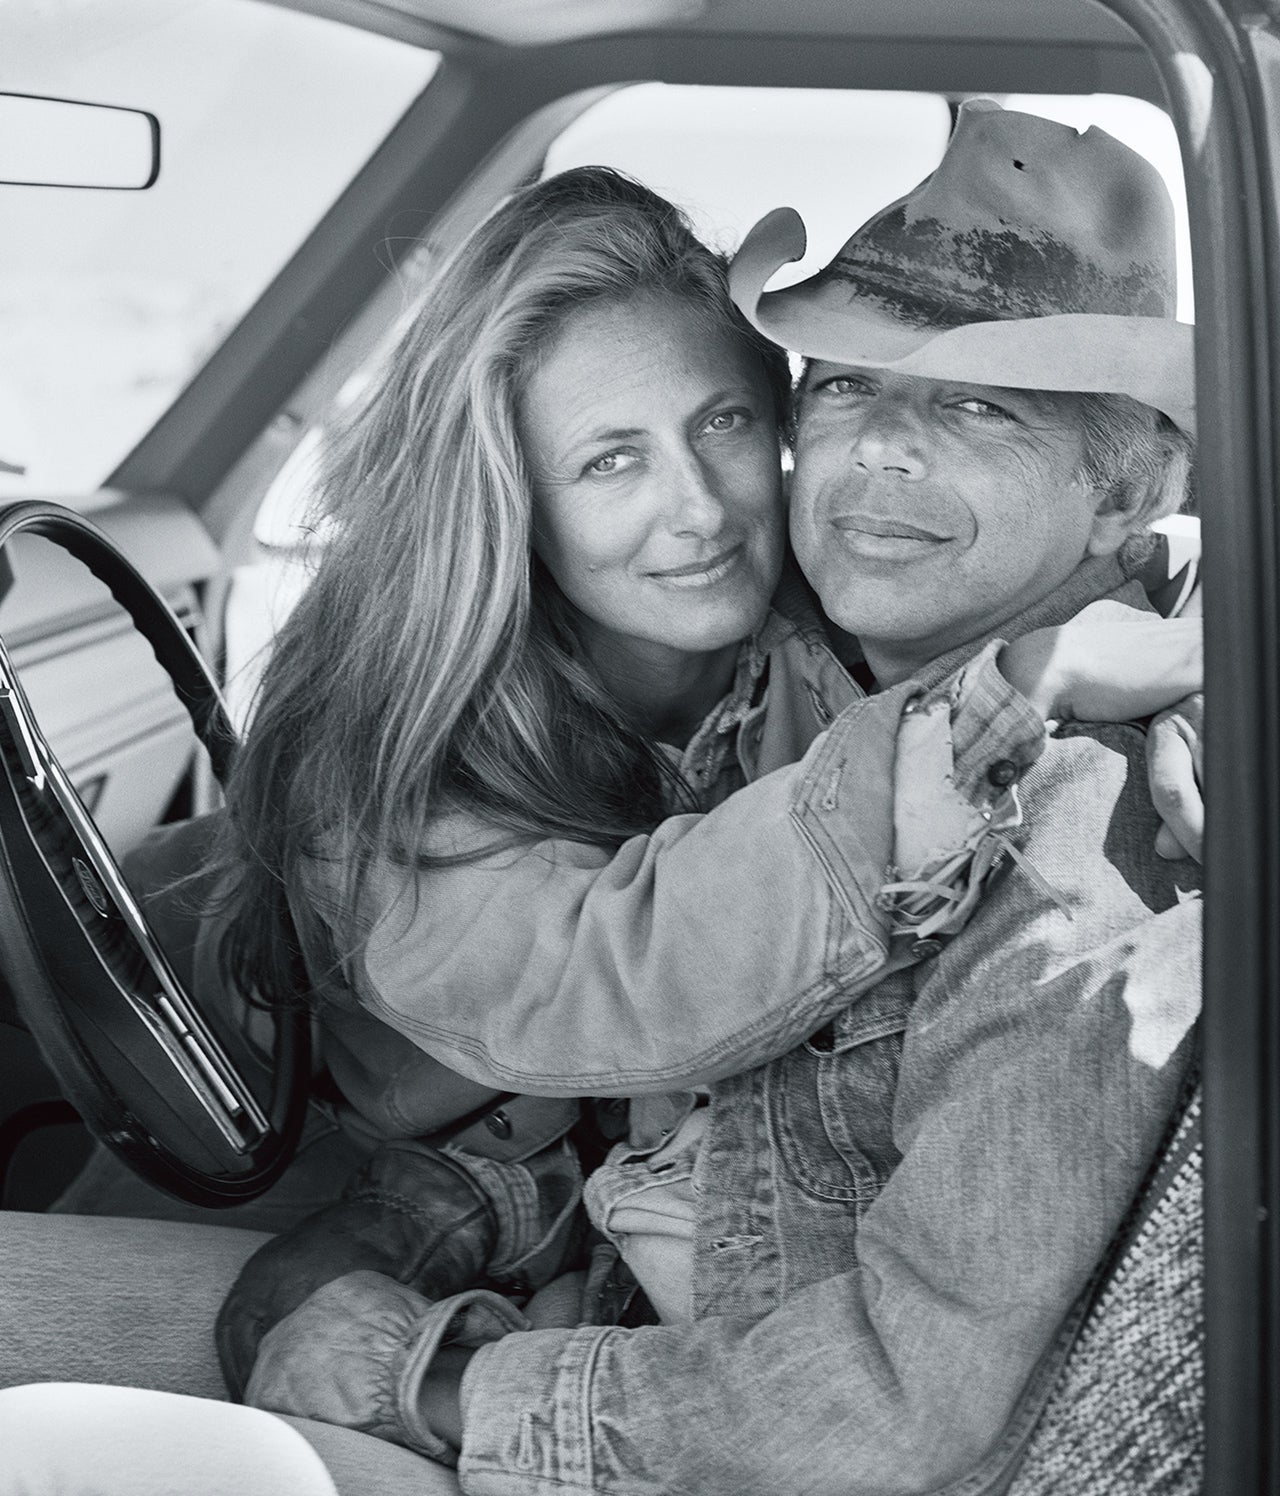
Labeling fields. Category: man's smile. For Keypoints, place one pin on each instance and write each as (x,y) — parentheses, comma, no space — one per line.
(879,537)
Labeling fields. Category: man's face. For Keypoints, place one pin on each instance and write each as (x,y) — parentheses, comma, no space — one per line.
(927,512)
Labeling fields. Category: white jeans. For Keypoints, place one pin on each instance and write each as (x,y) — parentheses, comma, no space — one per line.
(73,1439)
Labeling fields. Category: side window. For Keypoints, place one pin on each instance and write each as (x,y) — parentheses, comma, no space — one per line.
(110,301)
(729,155)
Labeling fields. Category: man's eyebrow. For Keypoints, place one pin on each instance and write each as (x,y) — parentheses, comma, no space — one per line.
(815,366)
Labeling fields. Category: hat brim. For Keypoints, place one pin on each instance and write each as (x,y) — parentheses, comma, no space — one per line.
(1150,359)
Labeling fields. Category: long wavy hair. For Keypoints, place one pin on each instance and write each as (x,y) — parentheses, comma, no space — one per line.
(432,663)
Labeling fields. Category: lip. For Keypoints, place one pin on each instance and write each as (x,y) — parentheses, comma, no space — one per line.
(886,529)
(704,573)
(873,540)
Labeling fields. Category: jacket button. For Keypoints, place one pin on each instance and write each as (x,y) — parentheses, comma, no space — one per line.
(1003,773)
(499,1124)
(926,948)
(824,1041)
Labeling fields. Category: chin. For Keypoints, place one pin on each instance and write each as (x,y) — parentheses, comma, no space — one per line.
(728,627)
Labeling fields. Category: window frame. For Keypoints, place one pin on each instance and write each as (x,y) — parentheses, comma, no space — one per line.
(1226,108)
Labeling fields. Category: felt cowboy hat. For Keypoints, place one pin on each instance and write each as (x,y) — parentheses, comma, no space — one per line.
(1033,257)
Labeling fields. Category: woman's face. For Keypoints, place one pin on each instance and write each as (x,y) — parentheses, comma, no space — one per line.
(657,489)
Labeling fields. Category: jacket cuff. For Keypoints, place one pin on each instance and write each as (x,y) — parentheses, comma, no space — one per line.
(961,751)
(527,1414)
(996,732)
(472,1318)
(531,1242)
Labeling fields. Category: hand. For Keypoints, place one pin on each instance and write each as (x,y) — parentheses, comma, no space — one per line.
(370,1354)
(410,1213)
(1175,770)
(1110,663)
(339,1355)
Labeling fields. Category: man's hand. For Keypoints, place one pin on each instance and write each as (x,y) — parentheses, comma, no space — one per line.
(410,1213)
(370,1354)
(1110,663)
(1175,768)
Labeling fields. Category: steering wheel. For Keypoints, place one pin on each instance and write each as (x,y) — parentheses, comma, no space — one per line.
(181,1096)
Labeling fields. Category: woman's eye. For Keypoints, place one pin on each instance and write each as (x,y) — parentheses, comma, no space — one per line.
(609,463)
(726,420)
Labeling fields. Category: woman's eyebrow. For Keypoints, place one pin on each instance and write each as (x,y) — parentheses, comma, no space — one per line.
(730,392)
(594,438)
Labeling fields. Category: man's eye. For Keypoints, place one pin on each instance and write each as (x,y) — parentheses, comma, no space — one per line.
(844,384)
(986,408)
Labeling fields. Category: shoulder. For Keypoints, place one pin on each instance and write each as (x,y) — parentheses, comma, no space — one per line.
(1087,807)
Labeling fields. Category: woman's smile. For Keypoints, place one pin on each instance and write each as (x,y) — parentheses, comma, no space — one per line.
(701,573)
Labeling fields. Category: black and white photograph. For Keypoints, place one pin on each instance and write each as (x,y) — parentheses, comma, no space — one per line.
(639,747)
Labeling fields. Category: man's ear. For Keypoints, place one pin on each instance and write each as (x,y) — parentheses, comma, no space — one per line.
(1112,526)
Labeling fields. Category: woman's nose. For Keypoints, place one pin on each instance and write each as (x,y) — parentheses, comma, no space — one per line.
(697,505)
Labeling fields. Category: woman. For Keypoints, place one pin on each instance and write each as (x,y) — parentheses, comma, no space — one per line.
(456,798)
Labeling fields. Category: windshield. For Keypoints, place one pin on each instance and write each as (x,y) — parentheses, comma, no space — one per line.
(110,301)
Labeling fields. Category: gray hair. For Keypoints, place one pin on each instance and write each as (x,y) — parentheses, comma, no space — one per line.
(1135,455)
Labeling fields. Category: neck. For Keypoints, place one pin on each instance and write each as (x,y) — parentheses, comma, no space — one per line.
(890,662)
(665,693)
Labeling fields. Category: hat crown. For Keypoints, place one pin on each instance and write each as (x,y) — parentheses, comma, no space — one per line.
(1023,218)
(1033,258)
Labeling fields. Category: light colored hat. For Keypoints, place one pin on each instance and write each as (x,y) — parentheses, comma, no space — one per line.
(1033,257)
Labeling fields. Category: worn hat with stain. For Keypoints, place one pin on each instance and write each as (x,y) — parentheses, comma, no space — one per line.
(1034,257)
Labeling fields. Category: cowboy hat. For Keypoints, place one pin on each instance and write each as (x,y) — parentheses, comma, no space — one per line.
(1033,257)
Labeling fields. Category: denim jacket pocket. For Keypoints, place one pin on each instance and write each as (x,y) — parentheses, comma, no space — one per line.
(832,1104)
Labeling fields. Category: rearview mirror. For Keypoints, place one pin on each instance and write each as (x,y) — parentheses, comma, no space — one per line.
(66,143)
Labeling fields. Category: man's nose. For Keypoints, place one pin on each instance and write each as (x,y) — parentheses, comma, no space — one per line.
(890,439)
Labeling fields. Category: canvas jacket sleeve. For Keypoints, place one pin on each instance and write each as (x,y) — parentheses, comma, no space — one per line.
(1044,1052)
(698,951)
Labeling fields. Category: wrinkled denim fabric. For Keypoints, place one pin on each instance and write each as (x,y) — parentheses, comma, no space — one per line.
(562,969)
(899,1214)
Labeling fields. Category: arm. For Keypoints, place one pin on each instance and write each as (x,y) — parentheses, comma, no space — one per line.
(706,947)
(1130,671)
(1043,1058)
(435,1219)
(720,940)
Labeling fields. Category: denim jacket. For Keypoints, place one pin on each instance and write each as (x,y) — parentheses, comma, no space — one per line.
(897,1215)
(707,947)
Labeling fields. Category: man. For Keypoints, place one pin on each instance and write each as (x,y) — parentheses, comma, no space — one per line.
(897,1217)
